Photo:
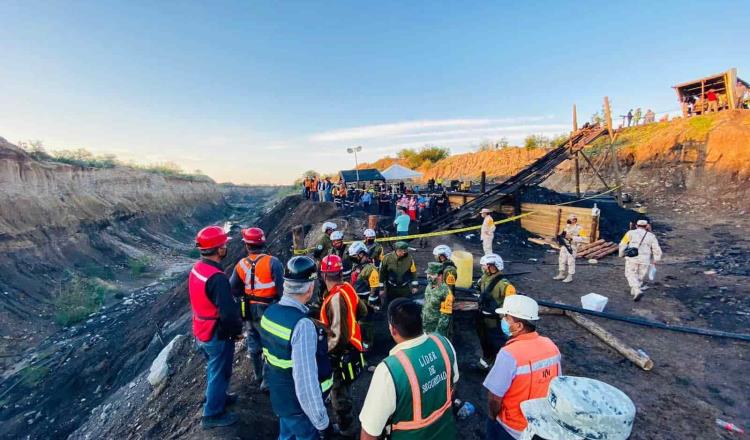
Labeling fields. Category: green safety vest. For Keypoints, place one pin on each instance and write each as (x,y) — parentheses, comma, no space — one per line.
(423,378)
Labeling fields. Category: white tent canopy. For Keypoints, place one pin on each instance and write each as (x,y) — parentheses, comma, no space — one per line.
(398,172)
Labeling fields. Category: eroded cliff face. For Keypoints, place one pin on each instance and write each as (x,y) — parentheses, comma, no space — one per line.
(58,219)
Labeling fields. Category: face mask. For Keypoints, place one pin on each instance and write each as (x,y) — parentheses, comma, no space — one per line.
(432,278)
(505,327)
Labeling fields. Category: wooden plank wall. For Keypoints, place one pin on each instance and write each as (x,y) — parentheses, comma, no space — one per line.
(544,221)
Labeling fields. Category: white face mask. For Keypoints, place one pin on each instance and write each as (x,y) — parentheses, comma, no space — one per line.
(432,278)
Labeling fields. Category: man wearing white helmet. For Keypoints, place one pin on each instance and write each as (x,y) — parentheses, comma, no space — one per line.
(487,233)
(641,250)
(493,289)
(522,371)
(374,248)
(338,248)
(442,254)
(324,244)
(569,239)
(365,279)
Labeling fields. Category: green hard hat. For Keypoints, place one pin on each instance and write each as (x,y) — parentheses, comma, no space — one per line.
(402,245)
(434,268)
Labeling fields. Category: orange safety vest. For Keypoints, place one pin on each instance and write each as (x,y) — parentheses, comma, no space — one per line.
(350,297)
(537,363)
(255,271)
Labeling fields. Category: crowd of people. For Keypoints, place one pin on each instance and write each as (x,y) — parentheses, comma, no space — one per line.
(308,326)
(713,100)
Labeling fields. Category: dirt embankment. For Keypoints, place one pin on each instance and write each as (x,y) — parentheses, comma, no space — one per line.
(498,164)
(58,220)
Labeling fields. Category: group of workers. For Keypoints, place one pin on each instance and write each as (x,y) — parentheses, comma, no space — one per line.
(308,327)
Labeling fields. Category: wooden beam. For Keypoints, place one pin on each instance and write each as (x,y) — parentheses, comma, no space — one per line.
(578,177)
(615,162)
(606,185)
(557,223)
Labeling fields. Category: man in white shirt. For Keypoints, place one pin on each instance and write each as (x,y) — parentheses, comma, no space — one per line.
(487,233)
(641,250)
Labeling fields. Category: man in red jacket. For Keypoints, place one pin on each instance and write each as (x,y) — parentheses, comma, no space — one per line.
(216,323)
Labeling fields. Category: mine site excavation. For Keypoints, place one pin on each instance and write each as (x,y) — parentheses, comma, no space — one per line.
(97,331)
(339,220)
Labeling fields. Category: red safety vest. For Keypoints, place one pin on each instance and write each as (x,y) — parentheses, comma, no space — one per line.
(350,297)
(537,363)
(205,313)
(255,271)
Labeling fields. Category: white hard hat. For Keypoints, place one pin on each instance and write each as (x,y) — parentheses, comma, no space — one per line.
(369,233)
(572,217)
(521,307)
(485,211)
(328,225)
(494,259)
(356,247)
(442,250)
(337,235)
(642,222)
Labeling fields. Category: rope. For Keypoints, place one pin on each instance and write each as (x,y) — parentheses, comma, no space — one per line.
(466,229)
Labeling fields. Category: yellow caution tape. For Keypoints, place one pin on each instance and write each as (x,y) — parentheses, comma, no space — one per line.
(459,230)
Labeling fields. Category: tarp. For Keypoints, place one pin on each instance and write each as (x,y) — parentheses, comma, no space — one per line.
(398,172)
(365,175)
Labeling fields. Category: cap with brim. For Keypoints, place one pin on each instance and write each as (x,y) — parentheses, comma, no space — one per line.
(580,408)
(642,223)
(434,268)
(402,245)
(485,211)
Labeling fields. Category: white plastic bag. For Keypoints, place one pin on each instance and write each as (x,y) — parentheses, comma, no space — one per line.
(652,272)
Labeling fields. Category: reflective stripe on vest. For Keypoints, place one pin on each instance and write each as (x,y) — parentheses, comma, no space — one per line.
(258,278)
(205,313)
(537,363)
(346,291)
(416,393)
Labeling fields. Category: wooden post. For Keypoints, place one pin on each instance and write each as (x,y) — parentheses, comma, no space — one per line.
(557,224)
(578,177)
(615,161)
(298,237)
(604,181)
(483,182)
(516,203)
(575,119)
(372,222)
(594,228)
(639,358)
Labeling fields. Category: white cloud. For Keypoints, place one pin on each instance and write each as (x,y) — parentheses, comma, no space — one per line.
(397,129)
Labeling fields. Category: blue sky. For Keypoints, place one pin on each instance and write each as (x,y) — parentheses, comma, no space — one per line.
(258,92)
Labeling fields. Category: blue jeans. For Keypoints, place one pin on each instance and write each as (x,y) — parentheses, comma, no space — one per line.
(297,428)
(402,233)
(219,354)
(495,431)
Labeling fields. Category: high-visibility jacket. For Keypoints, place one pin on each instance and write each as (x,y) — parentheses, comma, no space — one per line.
(423,379)
(537,363)
(205,313)
(255,271)
(350,298)
(276,329)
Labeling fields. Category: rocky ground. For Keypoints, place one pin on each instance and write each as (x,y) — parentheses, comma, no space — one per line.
(695,379)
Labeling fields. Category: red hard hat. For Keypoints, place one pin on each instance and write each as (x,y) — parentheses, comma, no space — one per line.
(211,237)
(331,264)
(253,236)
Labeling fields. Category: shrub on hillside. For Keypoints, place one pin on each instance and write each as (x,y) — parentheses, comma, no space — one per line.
(428,153)
(139,266)
(79,298)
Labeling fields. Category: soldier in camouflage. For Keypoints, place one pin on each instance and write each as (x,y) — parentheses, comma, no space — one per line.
(493,289)
(374,248)
(437,311)
(443,255)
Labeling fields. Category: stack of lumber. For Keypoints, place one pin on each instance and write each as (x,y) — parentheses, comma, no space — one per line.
(549,220)
(597,249)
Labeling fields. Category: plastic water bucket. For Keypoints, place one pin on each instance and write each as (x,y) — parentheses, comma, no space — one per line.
(594,301)
(465,267)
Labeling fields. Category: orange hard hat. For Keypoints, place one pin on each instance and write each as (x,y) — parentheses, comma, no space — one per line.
(253,236)
(211,237)
(331,264)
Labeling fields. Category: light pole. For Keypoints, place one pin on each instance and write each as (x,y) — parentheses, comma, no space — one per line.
(355,150)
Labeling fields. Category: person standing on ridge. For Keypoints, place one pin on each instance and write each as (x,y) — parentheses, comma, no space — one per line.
(217,323)
(569,239)
(398,273)
(641,250)
(256,281)
(630,116)
(493,289)
(340,313)
(437,312)
(487,233)
(421,367)
(523,370)
(296,350)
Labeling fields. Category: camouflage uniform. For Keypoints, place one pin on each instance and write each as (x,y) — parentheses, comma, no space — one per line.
(437,311)
(450,274)
(491,338)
